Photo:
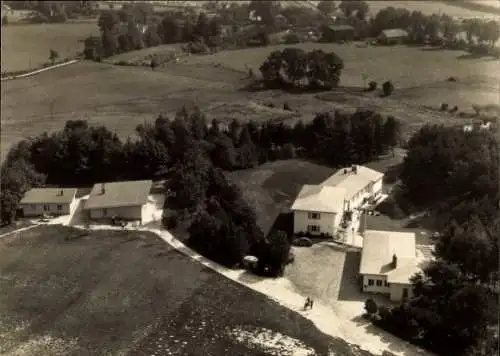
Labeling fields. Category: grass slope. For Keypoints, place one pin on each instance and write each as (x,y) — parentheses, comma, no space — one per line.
(128,293)
(27,46)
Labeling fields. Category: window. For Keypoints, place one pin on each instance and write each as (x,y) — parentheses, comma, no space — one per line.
(33,207)
(314,216)
(46,208)
(313,228)
(59,207)
(379,283)
(370,282)
(104,212)
(387,284)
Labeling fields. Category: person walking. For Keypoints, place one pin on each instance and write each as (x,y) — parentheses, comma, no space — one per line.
(311,302)
(306,304)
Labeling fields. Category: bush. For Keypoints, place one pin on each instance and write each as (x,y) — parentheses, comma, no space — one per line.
(452,79)
(372,86)
(387,88)
(291,38)
(371,307)
(444,107)
(286,106)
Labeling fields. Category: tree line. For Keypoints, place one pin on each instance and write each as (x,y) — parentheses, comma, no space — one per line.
(455,176)
(51,11)
(192,155)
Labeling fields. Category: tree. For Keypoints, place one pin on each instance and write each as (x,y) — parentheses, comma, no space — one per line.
(53,56)
(274,253)
(387,88)
(170,30)
(202,28)
(110,43)
(152,39)
(326,7)
(108,20)
(371,307)
(266,10)
(294,63)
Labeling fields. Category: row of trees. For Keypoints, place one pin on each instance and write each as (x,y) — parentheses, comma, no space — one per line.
(434,27)
(293,67)
(455,175)
(121,30)
(193,155)
(52,11)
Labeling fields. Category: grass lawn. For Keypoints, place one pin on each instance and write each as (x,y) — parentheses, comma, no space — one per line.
(27,46)
(272,187)
(129,293)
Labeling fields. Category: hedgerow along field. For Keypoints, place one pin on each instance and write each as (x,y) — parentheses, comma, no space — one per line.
(120,292)
(27,46)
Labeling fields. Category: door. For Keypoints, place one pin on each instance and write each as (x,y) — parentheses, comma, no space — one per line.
(405,293)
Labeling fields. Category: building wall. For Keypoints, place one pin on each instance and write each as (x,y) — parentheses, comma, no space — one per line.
(373,189)
(40,209)
(396,291)
(124,212)
(328,222)
(384,288)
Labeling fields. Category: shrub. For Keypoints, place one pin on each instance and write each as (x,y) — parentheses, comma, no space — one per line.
(452,79)
(371,307)
(387,88)
(444,107)
(291,38)
(372,86)
(286,106)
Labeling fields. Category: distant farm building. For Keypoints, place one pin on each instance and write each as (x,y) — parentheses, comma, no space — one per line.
(393,36)
(338,33)
(120,200)
(48,201)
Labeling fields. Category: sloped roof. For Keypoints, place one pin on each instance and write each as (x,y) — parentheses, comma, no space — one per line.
(118,194)
(378,249)
(341,28)
(394,33)
(351,181)
(49,196)
(320,199)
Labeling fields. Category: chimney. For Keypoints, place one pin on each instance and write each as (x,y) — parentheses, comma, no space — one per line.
(103,189)
(394,261)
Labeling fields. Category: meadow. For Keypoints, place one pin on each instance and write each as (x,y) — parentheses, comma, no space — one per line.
(123,97)
(119,292)
(27,46)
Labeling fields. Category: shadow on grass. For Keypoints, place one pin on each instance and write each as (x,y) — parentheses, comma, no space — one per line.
(473,56)
(350,289)
(394,344)
(283,222)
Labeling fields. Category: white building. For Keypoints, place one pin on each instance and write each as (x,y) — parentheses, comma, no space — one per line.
(388,260)
(319,209)
(122,200)
(49,201)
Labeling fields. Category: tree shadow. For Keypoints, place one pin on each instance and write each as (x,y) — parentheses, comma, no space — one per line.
(473,56)
(350,283)
(432,49)
(394,343)
(283,222)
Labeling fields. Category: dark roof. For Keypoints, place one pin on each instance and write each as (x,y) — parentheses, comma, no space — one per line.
(341,28)
(49,196)
(117,194)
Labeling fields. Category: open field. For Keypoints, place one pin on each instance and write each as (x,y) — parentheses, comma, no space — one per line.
(122,97)
(27,46)
(113,292)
